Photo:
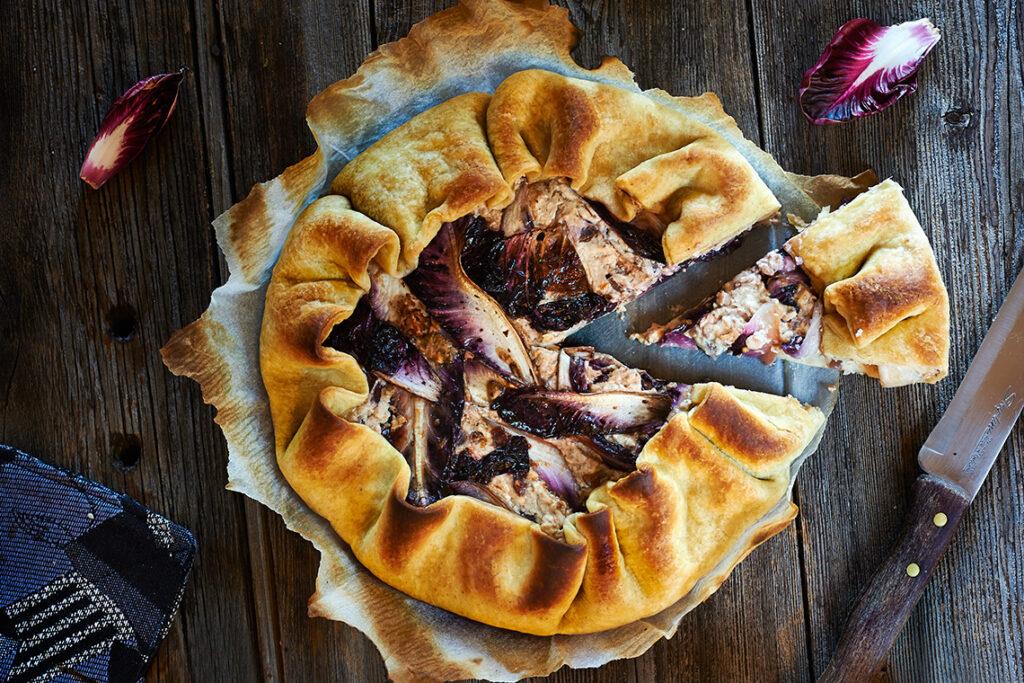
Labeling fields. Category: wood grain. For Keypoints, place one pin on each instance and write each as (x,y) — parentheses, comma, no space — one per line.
(951,146)
(81,382)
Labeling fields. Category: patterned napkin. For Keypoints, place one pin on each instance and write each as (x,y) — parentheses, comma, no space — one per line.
(89,579)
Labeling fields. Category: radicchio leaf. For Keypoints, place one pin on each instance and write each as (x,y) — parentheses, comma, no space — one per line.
(865,68)
(643,242)
(549,464)
(390,299)
(512,457)
(134,118)
(380,348)
(678,337)
(556,413)
(533,273)
(562,314)
(613,455)
(810,343)
(473,319)
(436,430)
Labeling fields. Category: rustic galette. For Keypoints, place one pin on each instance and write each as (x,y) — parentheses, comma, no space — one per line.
(857,290)
(426,404)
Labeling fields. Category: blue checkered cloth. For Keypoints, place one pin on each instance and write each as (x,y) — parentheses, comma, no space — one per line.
(89,579)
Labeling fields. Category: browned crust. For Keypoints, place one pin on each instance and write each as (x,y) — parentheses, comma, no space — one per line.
(732,426)
(434,168)
(886,307)
(630,153)
(652,534)
(469,557)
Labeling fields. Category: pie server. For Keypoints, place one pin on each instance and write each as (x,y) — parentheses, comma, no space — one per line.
(956,458)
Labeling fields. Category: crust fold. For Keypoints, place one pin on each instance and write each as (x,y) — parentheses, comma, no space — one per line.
(886,307)
(432,169)
(630,153)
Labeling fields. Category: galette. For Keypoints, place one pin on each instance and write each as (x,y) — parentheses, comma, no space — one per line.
(425,400)
(858,290)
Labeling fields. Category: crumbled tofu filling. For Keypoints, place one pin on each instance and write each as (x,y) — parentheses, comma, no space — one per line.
(532,499)
(765,310)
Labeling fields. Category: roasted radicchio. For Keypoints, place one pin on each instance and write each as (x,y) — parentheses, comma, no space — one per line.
(865,69)
(534,274)
(471,318)
(556,413)
(381,349)
(428,434)
(512,457)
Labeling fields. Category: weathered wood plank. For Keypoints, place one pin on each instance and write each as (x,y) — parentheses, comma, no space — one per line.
(97,280)
(953,148)
(271,60)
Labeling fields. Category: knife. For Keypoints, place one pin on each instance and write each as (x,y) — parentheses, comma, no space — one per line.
(956,458)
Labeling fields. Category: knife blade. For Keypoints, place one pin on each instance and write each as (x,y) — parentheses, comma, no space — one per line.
(964,444)
(956,457)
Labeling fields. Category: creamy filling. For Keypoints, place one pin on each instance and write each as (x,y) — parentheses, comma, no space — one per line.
(613,269)
(766,310)
(531,498)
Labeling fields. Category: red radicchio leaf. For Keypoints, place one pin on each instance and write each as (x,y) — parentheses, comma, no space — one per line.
(865,69)
(135,117)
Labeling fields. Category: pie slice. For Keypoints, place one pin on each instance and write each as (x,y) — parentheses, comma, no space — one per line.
(857,290)
(424,402)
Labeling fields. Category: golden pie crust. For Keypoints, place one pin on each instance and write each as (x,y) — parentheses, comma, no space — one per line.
(886,307)
(710,474)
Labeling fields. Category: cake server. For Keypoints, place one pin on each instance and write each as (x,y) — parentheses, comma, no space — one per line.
(956,458)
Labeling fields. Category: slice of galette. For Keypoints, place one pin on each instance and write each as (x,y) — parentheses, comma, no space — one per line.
(424,402)
(858,290)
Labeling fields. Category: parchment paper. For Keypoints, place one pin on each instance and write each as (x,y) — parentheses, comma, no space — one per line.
(471,47)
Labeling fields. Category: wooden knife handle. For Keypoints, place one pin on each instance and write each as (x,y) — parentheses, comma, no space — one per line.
(882,609)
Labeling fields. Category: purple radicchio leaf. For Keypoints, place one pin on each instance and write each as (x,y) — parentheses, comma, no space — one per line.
(620,455)
(556,413)
(547,461)
(677,334)
(679,337)
(864,69)
(512,457)
(810,343)
(381,349)
(534,274)
(133,119)
(643,242)
(471,318)
(435,432)
(614,455)
(392,302)
(578,379)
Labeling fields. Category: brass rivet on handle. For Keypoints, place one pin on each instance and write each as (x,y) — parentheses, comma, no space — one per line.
(940,519)
(913,570)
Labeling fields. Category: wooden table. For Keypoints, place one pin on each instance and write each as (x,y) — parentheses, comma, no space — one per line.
(94,282)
